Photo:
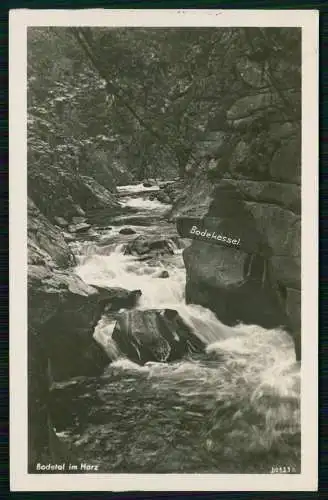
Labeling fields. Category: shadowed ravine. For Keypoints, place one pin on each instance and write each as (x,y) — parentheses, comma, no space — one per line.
(233,409)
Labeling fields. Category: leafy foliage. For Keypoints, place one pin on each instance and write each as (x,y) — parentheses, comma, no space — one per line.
(104,101)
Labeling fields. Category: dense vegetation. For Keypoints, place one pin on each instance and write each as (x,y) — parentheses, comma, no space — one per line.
(122,104)
(220,109)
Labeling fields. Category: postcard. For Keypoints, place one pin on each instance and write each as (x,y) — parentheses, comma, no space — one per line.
(163,250)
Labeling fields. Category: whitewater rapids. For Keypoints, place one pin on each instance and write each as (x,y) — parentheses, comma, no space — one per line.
(233,409)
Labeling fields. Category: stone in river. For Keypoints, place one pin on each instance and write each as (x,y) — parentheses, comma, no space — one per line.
(143,245)
(158,335)
(163,197)
(164,274)
(127,230)
(119,298)
(68,236)
(78,228)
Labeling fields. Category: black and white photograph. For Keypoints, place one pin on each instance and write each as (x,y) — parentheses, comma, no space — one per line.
(165,217)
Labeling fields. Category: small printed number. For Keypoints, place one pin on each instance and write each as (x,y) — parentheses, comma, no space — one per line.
(285,469)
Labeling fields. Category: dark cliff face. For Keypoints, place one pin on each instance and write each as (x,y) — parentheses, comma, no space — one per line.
(56,349)
(252,193)
(59,192)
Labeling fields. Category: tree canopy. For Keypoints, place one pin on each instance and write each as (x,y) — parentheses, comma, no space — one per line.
(135,101)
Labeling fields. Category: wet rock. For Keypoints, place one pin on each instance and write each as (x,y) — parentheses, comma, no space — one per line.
(60,192)
(164,184)
(68,237)
(78,220)
(154,335)
(149,183)
(233,284)
(43,444)
(79,228)
(60,221)
(127,231)
(46,244)
(139,220)
(119,298)
(193,199)
(281,228)
(293,305)
(251,72)
(286,162)
(164,274)
(143,245)
(64,311)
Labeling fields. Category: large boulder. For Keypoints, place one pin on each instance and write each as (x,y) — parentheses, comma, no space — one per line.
(251,72)
(154,335)
(251,281)
(64,311)
(162,197)
(127,230)
(82,227)
(44,446)
(147,245)
(46,244)
(284,195)
(233,284)
(252,104)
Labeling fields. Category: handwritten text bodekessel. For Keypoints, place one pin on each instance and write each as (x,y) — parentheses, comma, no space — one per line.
(213,235)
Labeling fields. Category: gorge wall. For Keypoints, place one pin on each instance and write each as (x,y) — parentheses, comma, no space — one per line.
(247,185)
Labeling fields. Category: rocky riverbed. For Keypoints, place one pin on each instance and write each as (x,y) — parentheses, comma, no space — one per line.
(148,383)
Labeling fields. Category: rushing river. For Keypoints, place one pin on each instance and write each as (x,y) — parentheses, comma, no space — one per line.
(233,409)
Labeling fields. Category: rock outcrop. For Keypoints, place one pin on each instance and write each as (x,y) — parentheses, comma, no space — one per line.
(64,311)
(247,185)
(154,335)
(46,244)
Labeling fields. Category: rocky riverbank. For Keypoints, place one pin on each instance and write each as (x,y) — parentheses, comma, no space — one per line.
(107,310)
(64,310)
(252,189)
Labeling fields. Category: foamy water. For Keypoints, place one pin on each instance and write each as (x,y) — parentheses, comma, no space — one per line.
(145,204)
(136,188)
(236,402)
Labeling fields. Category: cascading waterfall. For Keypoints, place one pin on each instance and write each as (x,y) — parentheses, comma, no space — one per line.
(239,400)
